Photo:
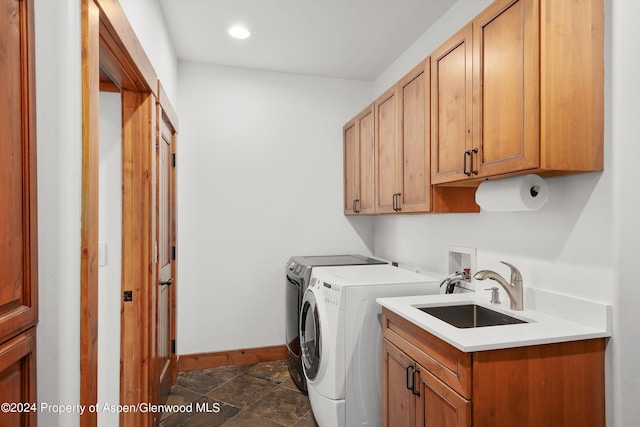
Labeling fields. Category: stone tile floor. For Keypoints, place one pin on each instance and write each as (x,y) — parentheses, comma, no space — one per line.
(256,395)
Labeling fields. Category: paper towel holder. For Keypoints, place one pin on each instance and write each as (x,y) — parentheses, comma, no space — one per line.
(511,194)
(534,191)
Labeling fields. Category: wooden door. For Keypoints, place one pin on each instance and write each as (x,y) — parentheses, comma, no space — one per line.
(166,255)
(398,402)
(387,156)
(506,101)
(18,198)
(451,108)
(413,91)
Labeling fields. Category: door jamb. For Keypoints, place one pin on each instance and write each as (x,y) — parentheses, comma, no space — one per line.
(110,48)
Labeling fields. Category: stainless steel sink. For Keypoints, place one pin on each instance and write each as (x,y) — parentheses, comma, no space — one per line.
(470,316)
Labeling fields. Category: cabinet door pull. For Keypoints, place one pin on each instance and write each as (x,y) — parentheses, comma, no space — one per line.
(409,386)
(473,171)
(393,201)
(396,202)
(356,202)
(464,163)
(413,386)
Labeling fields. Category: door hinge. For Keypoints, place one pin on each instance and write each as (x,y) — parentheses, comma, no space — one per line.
(173,253)
(173,159)
(173,346)
(127,296)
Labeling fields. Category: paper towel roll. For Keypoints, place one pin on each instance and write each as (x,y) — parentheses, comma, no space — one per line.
(520,193)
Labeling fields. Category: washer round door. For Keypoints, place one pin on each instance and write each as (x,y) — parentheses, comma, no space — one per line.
(310,336)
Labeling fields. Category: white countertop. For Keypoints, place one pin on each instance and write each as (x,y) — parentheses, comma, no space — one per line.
(550,318)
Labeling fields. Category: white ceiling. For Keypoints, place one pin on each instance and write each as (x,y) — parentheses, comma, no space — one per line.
(352,39)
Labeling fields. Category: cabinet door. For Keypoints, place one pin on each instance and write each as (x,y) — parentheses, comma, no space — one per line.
(351,167)
(398,402)
(506,101)
(439,405)
(451,108)
(18,245)
(358,164)
(387,155)
(366,141)
(413,91)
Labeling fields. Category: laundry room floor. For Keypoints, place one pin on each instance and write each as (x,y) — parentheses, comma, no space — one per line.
(257,395)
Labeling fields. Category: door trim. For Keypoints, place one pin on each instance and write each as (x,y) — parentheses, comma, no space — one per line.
(111,51)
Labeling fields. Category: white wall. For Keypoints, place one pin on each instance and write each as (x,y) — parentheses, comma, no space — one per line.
(622,113)
(454,19)
(259,180)
(109,270)
(59,121)
(584,241)
(145,16)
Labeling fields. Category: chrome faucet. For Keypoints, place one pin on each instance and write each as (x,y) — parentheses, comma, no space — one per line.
(514,289)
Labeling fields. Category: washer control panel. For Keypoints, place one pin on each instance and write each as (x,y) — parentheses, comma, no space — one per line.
(331,294)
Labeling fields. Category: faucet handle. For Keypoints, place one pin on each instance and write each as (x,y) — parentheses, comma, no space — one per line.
(515,273)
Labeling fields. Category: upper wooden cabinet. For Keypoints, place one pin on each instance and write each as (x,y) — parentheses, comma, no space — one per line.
(415,169)
(358,164)
(387,154)
(520,90)
(402,145)
(451,107)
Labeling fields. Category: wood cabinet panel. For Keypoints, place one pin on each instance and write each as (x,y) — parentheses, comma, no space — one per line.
(358,152)
(550,384)
(440,406)
(564,385)
(398,403)
(367,166)
(415,179)
(351,153)
(451,107)
(537,93)
(18,379)
(506,69)
(402,152)
(572,92)
(387,157)
(444,361)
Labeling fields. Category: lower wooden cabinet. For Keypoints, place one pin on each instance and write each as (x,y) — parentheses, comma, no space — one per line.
(427,382)
(18,380)
(415,397)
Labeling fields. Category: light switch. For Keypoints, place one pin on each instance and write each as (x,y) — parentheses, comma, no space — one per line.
(102,254)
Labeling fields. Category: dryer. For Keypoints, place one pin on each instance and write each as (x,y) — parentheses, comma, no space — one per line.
(340,336)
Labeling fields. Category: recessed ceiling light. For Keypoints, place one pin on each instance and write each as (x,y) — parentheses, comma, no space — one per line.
(239,32)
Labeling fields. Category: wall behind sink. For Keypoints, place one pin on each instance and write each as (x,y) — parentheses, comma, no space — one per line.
(583,242)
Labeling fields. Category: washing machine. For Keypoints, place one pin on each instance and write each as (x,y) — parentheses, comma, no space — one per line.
(298,273)
(341,335)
